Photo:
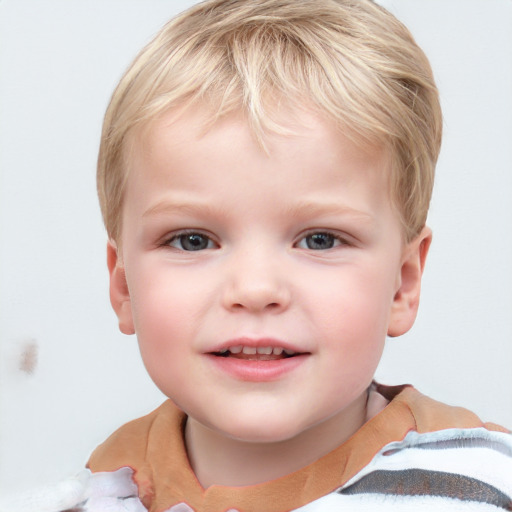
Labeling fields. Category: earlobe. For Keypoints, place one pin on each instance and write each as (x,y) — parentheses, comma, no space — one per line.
(119,293)
(407,297)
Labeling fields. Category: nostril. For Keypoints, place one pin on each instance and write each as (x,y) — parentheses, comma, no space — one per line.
(255,296)
(272,305)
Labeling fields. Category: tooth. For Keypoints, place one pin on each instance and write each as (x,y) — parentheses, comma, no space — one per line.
(265,350)
(236,350)
(277,351)
(249,350)
(288,352)
(223,351)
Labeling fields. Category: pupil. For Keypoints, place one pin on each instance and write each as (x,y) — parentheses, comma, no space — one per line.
(320,241)
(194,242)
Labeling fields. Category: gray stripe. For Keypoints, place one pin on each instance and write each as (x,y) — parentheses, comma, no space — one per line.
(421,482)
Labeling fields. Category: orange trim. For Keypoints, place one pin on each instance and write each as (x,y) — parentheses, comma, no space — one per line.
(496,428)
(153,446)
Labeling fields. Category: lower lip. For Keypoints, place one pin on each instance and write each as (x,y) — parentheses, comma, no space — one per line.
(257,371)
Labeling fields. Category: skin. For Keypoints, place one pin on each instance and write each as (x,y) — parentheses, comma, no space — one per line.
(300,245)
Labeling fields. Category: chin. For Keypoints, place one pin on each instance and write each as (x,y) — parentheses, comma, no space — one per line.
(262,432)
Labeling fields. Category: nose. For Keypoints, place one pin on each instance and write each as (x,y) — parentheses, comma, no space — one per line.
(256,284)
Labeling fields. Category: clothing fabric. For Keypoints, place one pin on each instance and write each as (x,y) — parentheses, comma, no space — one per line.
(416,454)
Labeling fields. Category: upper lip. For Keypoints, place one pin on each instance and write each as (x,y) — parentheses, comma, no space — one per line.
(257,343)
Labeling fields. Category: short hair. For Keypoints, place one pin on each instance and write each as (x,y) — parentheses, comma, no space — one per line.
(350,59)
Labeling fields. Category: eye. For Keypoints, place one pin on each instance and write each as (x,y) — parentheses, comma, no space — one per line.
(191,241)
(320,241)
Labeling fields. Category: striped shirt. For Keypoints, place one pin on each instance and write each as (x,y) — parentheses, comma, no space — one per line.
(417,454)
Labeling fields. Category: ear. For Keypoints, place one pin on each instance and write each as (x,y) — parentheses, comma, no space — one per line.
(407,297)
(119,293)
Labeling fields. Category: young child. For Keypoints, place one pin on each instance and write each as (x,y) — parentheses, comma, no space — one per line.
(264,175)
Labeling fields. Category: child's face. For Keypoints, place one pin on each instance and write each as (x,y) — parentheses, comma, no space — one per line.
(226,248)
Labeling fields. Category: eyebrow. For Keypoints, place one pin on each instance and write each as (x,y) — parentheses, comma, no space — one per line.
(318,209)
(188,208)
(298,210)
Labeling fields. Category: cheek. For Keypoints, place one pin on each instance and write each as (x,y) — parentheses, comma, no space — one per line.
(163,335)
(354,316)
(158,331)
(169,307)
(358,301)
(160,312)
(162,296)
(356,342)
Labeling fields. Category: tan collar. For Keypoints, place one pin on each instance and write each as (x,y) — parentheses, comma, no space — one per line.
(153,447)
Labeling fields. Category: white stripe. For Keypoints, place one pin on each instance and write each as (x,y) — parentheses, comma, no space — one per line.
(488,465)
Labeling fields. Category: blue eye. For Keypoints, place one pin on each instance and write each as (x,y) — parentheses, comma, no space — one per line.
(319,241)
(191,242)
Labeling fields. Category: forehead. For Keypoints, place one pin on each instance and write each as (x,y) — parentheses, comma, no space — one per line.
(178,131)
(308,157)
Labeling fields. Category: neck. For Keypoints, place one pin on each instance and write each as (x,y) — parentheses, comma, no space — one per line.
(220,460)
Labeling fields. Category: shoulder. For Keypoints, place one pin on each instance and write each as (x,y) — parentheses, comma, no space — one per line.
(85,492)
(429,415)
(447,459)
(450,470)
(128,445)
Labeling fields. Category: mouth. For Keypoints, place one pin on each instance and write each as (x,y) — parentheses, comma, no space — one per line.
(250,353)
(258,359)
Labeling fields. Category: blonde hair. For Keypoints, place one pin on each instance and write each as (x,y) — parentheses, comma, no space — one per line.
(350,59)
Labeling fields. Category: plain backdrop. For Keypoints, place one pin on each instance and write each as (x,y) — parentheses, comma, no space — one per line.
(68,378)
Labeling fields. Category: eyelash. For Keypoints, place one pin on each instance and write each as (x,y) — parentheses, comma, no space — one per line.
(180,238)
(337,239)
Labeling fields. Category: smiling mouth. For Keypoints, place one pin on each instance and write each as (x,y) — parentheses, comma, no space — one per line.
(256,353)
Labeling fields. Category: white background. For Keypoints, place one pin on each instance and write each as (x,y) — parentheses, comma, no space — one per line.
(59,61)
